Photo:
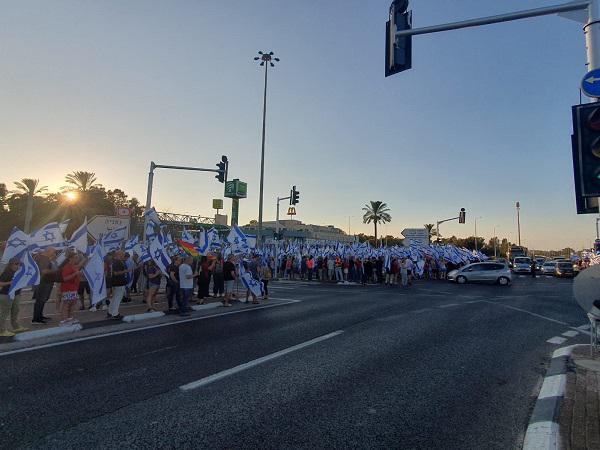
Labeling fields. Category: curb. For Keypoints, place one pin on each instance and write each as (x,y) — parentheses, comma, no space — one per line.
(207,306)
(543,431)
(54,331)
(142,316)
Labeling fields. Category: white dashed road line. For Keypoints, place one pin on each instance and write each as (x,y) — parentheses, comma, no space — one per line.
(556,340)
(570,333)
(225,373)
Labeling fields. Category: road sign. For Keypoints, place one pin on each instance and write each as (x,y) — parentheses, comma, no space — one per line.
(217,203)
(236,189)
(590,85)
(102,225)
(585,289)
(291,211)
(123,212)
(416,234)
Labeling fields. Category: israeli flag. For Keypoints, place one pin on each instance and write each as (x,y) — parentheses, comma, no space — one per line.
(212,236)
(63,226)
(150,216)
(131,244)
(16,245)
(47,236)
(79,238)
(158,252)
(203,243)
(144,254)
(28,274)
(94,274)
(237,240)
(254,286)
(116,235)
(61,257)
(186,236)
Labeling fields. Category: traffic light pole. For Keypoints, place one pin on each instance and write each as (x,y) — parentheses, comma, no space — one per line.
(437,225)
(277,231)
(151,181)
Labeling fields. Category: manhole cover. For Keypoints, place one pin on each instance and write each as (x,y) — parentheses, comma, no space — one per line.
(589,364)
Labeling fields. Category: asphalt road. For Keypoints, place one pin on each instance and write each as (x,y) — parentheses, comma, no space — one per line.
(433,366)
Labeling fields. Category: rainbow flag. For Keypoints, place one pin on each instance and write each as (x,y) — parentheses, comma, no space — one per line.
(190,249)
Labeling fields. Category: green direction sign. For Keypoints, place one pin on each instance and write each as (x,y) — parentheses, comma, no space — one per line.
(236,189)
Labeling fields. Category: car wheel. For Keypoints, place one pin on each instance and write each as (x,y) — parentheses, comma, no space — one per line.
(503,281)
(461,280)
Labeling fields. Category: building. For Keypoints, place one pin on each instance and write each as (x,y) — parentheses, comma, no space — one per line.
(296,230)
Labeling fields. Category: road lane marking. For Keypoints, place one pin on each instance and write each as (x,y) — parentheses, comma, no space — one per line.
(447,305)
(419,311)
(148,327)
(226,373)
(571,333)
(556,340)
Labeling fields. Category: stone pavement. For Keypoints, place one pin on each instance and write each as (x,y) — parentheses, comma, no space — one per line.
(580,411)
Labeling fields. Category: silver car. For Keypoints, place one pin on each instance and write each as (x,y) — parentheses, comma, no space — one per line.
(548,268)
(522,264)
(491,272)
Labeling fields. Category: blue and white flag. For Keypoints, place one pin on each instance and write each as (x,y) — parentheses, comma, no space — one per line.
(116,235)
(131,244)
(94,274)
(79,238)
(144,254)
(47,236)
(237,240)
(159,254)
(28,274)
(251,241)
(203,243)
(16,245)
(150,232)
(254,286)
(186,236)
(63,226)
(212,236)
(150,216)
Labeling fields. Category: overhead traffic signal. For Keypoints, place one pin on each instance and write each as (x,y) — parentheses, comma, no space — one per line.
(223,166)
(398,50)
(294,196)
(462,215)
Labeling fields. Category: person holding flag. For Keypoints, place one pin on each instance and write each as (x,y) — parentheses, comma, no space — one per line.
(8,306)
(71,276)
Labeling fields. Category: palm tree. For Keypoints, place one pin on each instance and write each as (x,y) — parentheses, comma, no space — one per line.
(81,180)
(429,227)
(29,187)
(376,212)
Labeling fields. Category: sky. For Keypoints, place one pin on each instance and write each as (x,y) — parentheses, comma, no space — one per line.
(482,120)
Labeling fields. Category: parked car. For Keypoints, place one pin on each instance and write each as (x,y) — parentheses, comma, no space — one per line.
(548,268)
(564,269)
(491,272)
(522,264)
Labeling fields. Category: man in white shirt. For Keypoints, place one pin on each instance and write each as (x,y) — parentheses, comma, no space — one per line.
(186,285)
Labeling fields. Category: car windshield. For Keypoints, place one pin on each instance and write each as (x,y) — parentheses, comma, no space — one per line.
(549,264)
(565,265)
(522,261)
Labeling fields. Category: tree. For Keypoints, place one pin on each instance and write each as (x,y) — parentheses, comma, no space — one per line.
(28,188)
(430,229)
(81,180)
(376,212)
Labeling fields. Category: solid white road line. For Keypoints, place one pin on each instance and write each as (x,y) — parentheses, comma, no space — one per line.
(556,340)
(225,373)
(148,327)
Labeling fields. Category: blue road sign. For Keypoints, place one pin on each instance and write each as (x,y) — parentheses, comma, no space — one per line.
(590,84)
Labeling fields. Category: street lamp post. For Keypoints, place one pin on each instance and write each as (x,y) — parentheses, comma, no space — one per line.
(480,217)
(266,59)
(518,205)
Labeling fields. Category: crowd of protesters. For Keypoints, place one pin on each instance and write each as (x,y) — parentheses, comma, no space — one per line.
(365,271)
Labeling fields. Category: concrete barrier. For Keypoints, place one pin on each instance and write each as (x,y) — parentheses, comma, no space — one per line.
(54,331)
(143,316)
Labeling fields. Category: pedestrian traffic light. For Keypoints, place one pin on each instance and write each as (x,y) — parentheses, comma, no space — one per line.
(398,50)
(294,196)
(462,215)
(223,166)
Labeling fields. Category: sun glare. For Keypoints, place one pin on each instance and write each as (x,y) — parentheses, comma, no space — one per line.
(71,196)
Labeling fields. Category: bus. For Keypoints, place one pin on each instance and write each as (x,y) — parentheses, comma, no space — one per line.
(515,251)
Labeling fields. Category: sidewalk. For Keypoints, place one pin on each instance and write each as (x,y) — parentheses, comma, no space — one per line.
(89,319)
(579,418)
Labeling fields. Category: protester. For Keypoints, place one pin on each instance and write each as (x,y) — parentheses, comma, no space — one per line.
(229,277)
(186,285)
(137,271)
(264,276)
(404,272)
(84,287)
(49,274)
(310,266)
(9,307)
(253,268)
(153,276)
(119,282)
(130,265)
(206,268)
(71,276)
(218,282)
(173,283)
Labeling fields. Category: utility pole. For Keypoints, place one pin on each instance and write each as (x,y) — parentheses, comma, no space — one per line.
(476,231)
(266,59)
(519,222)
(277,232)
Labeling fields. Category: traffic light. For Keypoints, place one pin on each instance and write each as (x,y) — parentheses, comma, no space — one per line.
(585,142)
(462,215)
(223,166)
(398,50)
(597,247)
(294,196)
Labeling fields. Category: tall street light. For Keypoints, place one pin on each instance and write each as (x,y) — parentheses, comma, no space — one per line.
(518,205)
(480,217)
(266,59)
